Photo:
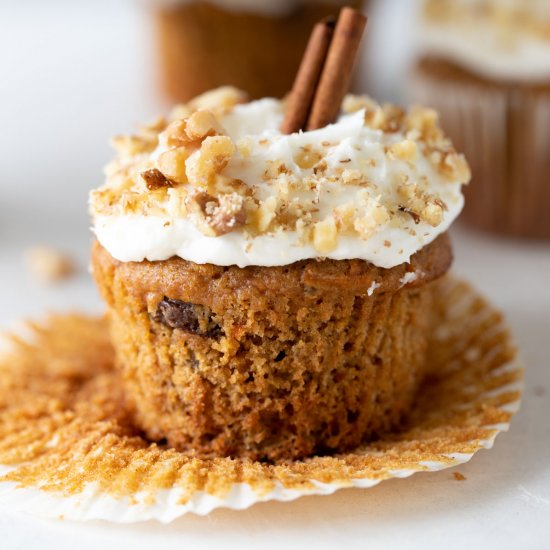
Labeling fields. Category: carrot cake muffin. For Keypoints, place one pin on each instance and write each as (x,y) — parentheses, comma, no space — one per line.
(255,45)
(269,295)
(485,65)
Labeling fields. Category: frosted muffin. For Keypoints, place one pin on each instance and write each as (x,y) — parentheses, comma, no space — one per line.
(485,65)
(255,45)
(269,295)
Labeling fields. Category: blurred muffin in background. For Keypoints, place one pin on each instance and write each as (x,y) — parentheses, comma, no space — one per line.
(255,45)
(485,65)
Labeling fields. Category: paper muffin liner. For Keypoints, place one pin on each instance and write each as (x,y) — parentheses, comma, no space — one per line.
(504,131)
(68,448)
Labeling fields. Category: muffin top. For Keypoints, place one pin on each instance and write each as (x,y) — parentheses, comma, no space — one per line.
(218,183)
(497,39)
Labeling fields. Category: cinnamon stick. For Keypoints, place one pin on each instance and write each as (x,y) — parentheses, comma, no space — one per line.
(337,69)
(307,78)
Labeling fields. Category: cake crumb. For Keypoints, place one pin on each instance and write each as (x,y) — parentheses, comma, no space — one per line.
(459,477)
(49,264)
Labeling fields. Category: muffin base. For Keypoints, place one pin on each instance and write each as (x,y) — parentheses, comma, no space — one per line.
(266,373)
(503,128)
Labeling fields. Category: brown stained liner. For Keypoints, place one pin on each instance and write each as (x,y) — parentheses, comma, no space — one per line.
(504,131)
(63,423)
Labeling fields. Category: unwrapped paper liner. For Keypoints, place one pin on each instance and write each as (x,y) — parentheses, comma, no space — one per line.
(79,460)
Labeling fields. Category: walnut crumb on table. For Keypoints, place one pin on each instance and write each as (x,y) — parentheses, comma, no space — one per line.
(49,264)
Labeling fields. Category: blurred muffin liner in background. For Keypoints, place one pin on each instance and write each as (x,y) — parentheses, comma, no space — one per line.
(485,66)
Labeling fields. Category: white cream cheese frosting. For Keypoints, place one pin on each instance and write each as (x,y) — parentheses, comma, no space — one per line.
(497,39)
(378,184)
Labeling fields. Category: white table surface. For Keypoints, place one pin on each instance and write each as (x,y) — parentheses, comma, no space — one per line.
(75,73)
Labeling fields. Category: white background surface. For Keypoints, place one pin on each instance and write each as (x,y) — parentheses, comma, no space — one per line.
(74,73)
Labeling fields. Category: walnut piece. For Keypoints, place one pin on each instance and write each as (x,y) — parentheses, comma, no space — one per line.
(421,205)
(217,215)
(450,164)
(406,150)
(172,163)
(354,103)
(219,100)
(202,124)
(192,130)
(212,157)
(48,264)
(129,146)
(325,235)
(155,179)
(426,123)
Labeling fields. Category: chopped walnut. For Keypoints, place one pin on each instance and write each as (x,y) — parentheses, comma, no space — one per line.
(406,150)
(307,157)
(370,215)
(48,264)
(212,157)
(217,215)
(304,230)
(225,185)
(421,205)
(354,103)
(155,179)
(374,118)
(353,177)
(151,131)
(172,164)
(426,123)
(202,124)
(129,146)
(274,169)
(175,134)
(393,117)
(219,100)
(451,164)
(265,214)
(344,216)
(388,118)
(180,111)
(325,235)
(244,147)
(192,130)
(508,19)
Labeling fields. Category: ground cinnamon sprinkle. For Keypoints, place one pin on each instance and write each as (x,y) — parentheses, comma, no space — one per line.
(63,424)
